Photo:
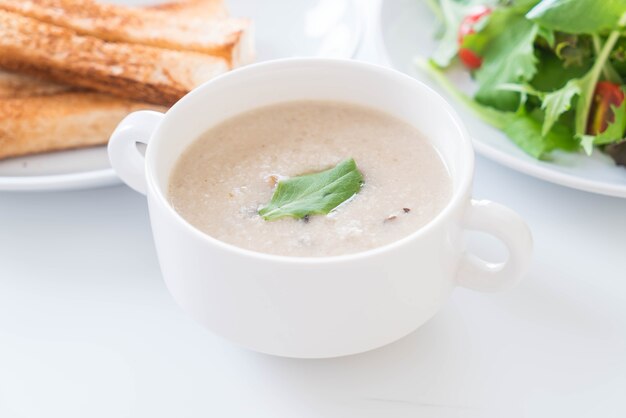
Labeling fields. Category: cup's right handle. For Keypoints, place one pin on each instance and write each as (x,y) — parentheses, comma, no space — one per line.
(508,227)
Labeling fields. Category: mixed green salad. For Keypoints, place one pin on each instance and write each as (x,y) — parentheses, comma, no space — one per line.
(551,74)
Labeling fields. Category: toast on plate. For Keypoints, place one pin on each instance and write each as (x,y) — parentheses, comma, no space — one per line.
(210,31)
(13,86)
(36,124)
(132,71)
(38,115)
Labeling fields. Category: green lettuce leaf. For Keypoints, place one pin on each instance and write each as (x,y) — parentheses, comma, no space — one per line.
(558,102)
(552,74)
(578,16)
(588,82)
(525,131)
(509,58)
(614,132)
(522,128)
(547,35)
(520,6)
(541,62)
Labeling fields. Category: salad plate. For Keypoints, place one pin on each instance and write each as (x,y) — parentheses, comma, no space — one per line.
(406,30)
(323,28)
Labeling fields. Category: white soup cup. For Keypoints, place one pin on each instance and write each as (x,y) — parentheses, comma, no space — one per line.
(325,306)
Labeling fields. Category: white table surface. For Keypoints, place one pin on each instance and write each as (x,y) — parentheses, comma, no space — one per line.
(87,328)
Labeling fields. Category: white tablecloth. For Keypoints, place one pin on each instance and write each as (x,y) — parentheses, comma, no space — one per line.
(87,328)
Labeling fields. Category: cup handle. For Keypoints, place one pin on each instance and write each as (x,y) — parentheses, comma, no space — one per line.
(125,158)
(508,227)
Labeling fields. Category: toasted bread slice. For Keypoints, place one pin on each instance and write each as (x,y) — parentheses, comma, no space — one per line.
(220,36)
(137,72)
(14,86)
(32,125)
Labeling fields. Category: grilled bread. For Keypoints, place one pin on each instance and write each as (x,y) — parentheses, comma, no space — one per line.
(13,86)
(221,36)
(30,125)
(70,120)
(132,71)
(38,115)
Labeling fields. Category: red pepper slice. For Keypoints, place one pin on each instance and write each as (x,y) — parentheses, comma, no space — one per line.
(468,57)
(607,94)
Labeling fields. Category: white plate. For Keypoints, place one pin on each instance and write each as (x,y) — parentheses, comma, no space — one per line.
(329,28)
(406,29)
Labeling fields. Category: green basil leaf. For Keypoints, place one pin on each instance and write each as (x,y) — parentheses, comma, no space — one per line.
(314,194)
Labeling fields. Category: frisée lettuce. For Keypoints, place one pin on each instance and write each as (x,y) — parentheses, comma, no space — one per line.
(550,74)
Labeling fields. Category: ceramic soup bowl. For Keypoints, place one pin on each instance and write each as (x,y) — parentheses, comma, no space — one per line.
(324,306)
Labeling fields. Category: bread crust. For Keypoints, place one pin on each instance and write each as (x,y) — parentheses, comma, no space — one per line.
(205,32)
(13,86)
(30,125)
(137,72)
(39,115)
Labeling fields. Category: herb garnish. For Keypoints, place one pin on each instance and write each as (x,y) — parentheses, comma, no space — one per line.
(314,194)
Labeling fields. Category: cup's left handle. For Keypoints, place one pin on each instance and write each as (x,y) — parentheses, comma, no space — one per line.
(125,158)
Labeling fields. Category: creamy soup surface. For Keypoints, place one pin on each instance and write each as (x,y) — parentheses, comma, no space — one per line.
(225,176)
